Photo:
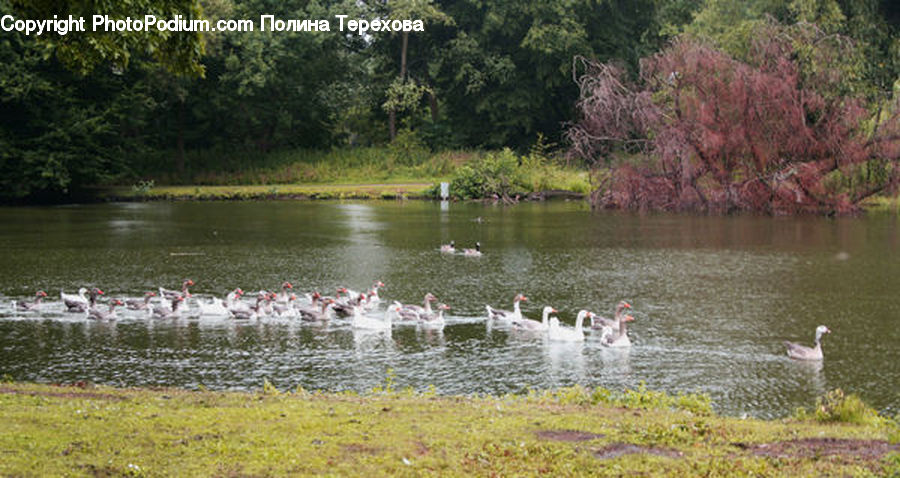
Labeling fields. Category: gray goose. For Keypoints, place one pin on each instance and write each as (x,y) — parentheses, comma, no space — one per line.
(97,313)
(140,304)
(171,294)
(507,315)
(35,305)
(598,322)
(802,352)
(164,312)
(76,305)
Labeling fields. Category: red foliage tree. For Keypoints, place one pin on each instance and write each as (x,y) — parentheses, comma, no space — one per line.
(701,130)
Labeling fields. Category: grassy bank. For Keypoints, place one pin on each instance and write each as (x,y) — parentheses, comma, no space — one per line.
(51,430)
(356,173)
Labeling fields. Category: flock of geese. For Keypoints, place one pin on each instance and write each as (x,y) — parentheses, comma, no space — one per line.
(363,311)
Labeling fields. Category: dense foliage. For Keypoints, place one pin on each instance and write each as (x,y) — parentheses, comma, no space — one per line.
(87,109)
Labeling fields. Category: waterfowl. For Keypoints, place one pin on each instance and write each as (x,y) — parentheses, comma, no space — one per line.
(802,352)
(248,312)
(140,304)
(171,294)
(317,314)
(219,307)
(533,325)
(97,314)
(345,307)
(162,311)
(361,321)
(506,315)
(35,305)
(434,319)
(286,308)
(598,322)
(285,296)
(373,298)
(617,338)
(421,309)
(473,252)
(84,306)
(558,333)
(449,248)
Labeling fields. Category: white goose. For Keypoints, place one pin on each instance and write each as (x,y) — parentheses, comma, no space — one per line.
(533,325)
(617,338)
(802,352)
(506,315)
(361,321)
(73,300)
(219,307)
(558,333)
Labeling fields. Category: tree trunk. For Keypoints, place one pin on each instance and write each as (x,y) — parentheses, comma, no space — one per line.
(392,114)
(179,141)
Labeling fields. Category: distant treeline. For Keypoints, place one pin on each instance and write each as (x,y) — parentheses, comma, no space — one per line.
(93,108)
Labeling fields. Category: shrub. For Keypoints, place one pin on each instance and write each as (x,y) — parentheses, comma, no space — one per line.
(836,406)
(496,174)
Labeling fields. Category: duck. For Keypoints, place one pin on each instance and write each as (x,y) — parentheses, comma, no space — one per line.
(171,294)
(558,333)
(140,304)
(802,352)
(617,338)
(162,311)
(435,319)
(317,314)
(533,325)
(98,314)
(35,305)
(449,248)
(361,321)
(506,315)
(598,322)
(473,252)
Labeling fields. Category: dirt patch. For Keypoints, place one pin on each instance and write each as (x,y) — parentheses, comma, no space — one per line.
(618,449)
(360,448)
(866,450)
(82,395)
(567,435)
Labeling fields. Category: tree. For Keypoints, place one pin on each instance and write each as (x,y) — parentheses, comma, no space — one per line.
(702,130)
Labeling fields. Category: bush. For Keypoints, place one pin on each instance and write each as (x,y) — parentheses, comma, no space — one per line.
(496,174)
(836,406)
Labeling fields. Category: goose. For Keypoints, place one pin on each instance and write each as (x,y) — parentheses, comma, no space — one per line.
(617,338)
(36,305)
(598,322)
(449,248)
(802,352)
(72,300)
(533,325)
(506,315)
(98,314)
(248,312)
(317,314)
(435,319)
(286,308)
(400,313)
(285,297)
(473,252)
(419,309)
(85,306)
(219,307)
(373,299)
(140,304)
(558,333)
(361,321)
(162,311)
(171,294)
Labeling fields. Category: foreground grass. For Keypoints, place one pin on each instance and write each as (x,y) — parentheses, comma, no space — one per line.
(103,431)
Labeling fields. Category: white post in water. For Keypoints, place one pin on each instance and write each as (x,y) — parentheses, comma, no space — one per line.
(445,191)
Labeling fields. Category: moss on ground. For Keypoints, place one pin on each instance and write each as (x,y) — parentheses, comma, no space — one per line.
(52,430)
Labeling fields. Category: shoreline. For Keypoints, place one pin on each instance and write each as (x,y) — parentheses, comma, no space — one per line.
(87,429)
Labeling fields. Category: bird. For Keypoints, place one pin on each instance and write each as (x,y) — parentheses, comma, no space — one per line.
(449,248)
(533,325)
(558,333)
(473,252)
(98,314)
(35,305)
(802,352)
(617,338)
(598,322)
(171,294)
(506,315)
(140,304)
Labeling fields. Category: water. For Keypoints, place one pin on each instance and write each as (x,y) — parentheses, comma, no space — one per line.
(713,297)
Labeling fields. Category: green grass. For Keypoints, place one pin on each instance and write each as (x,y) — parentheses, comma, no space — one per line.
(357,173)
(52,431)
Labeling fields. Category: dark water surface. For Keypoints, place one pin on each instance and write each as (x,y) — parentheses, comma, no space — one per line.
(713,296)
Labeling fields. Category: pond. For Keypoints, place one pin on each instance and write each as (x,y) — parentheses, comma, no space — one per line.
(713,298)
